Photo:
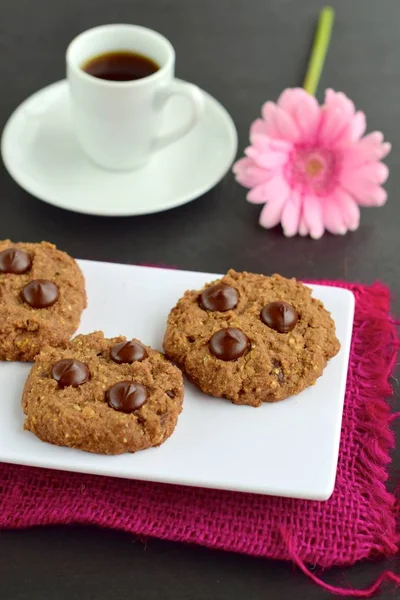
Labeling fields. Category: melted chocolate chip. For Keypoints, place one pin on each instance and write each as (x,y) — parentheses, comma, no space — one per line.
(127,352)
(40,293)
(170,393)
(280,316)
(219,297)
(126,396)
(13,260)
(229,344)
(70,372)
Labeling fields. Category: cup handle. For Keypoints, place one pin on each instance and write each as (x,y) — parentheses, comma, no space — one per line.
(192,93)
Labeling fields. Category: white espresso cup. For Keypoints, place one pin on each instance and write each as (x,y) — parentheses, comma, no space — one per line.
(118,123)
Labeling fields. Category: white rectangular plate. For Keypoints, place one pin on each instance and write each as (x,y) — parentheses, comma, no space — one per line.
(288,449)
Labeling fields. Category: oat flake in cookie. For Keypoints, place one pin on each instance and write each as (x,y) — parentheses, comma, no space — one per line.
(251,338)
(102,395)
(42,296)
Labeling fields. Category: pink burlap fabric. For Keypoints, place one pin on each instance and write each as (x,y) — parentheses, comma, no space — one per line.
(358,521)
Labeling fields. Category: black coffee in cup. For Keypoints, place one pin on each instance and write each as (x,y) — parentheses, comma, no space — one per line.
(120,66)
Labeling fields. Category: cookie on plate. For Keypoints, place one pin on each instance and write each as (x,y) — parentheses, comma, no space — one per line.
(251,338)
(42,296)
(102,395)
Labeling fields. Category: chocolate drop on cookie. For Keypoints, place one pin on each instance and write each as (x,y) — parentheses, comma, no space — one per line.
(170,393)
(40,293)
(219,297)
(127,352)
(280,316)
(70,372)
(229,344)
(13,260)
(126,396)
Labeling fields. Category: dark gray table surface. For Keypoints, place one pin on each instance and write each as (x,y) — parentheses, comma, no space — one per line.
(242,52)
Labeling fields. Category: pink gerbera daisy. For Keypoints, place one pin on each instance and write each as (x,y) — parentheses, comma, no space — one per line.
(311,164)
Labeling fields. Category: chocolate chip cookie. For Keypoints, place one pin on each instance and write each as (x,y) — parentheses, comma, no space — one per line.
(42,296)
(251,338)
(102,395)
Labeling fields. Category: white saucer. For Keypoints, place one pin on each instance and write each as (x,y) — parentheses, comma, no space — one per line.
(41,153)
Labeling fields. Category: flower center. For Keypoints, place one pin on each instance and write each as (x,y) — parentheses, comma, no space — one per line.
(314,166)
(312,169)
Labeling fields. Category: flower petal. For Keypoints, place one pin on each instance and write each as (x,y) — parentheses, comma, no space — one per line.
(271,213)
(369,149)
(349,209)
(304,110)
(257,195)
(337,118)
(280,145)
(365,192)
(372,172)
(371,146)
(266,160)
(291,214)
(376,196)
(249,174)
(286,125)
(241,165)
(333,124)
(276,187)
(258,126)
(312,212)
(358,126)
(268,112)
(283,125)
(303,229)
(266,153)
(333,216)
(385,149)
(273,144)
(341,102)
(288,100)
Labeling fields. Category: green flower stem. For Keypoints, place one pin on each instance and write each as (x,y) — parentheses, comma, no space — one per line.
(319,50)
